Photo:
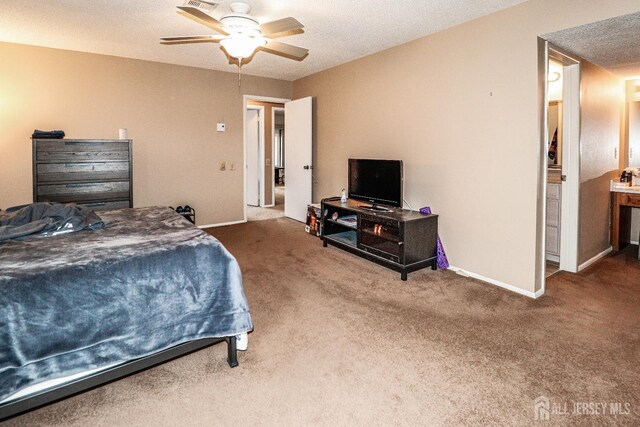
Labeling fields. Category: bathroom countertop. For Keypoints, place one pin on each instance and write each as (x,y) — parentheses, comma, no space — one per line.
(627,189)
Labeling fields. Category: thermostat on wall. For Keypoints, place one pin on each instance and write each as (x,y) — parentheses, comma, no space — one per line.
(220,127)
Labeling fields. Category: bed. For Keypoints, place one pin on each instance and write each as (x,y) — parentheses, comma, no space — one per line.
(81,309)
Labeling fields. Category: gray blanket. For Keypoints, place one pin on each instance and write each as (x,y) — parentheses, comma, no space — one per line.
(147,281)
(46,219)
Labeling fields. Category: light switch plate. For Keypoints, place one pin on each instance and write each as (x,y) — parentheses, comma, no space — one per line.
(221,127)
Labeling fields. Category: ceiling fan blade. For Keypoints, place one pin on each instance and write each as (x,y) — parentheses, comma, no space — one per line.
(187,42)
(191,39)
(281,27)
(203,18)
(186,38)
(286,50)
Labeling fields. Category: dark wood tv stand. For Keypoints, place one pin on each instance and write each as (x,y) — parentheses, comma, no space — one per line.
(399,239)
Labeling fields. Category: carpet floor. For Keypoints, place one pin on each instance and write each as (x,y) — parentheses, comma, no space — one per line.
(255,213)
(342,341)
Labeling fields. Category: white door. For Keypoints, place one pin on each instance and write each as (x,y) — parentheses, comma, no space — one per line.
(253,157)
(297,157)
(570,202)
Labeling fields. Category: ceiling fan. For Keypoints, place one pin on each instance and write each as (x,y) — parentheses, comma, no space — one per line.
(241,34)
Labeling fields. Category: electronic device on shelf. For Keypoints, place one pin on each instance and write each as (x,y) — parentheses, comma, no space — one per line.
(378,182)
(377,208)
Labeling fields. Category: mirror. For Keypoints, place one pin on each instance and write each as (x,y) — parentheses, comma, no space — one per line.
(555,89)
(634,133)
(554,149)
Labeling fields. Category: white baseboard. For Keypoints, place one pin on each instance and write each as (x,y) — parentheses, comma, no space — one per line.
(634,243)
(272,205)
(497,282)
(222,224)
(595,259)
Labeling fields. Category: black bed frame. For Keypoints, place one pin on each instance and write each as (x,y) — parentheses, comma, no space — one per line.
(45,397)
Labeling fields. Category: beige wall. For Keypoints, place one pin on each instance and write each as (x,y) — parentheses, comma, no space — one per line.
(601,108)
(170,111)
(460,107)
(269,172)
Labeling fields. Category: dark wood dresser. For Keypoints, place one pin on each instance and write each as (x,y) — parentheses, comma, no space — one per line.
(92,172)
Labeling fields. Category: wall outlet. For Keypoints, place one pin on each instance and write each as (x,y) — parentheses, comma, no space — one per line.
(221,127)
(223,166)
(232,166)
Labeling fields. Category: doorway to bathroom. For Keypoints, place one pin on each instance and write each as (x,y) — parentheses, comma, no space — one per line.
(561,162)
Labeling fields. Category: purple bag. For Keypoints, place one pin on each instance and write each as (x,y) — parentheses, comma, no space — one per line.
(443,262)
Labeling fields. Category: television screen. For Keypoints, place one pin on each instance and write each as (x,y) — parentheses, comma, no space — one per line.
(376,181)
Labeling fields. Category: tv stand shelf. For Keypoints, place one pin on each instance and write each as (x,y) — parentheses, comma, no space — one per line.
(399,239)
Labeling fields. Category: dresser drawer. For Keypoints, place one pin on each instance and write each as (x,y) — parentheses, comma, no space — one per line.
(103,206)
(90,171)
(81,150)
(80,156)
(553,191)
(81,192)
(553,241)
(631,199)
(71,145)
(553,212)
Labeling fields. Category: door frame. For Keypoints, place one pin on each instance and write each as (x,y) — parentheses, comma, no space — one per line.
(570,205)
(260,162)
(273,148)
(245,99)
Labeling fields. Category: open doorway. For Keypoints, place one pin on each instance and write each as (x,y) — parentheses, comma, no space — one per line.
(254,132)
(278,158)
(561,162)
(554,168)
(262,192)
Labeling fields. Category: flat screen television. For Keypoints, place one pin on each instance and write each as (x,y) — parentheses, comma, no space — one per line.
(376,181)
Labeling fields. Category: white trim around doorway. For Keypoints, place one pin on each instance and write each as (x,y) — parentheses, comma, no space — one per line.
(273,149)
(571,162)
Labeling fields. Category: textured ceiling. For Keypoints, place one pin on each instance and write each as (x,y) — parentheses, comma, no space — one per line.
(613,44)
(336,31)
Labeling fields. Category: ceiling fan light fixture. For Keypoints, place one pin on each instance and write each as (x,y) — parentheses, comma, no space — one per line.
(240,34)
(239,24)
(241,46)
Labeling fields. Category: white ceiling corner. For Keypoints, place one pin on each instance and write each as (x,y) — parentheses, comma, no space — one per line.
(336,31)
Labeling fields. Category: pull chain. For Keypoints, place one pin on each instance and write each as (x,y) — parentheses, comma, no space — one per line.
(239,75)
